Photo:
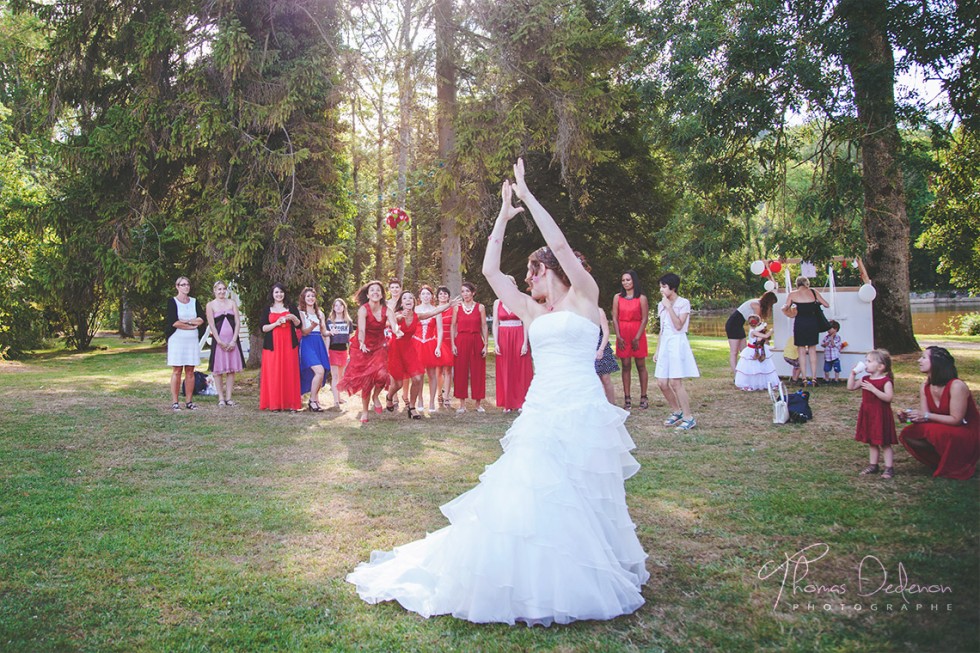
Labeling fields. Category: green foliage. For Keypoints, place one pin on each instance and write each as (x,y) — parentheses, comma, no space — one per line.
(967,324)
(952,226)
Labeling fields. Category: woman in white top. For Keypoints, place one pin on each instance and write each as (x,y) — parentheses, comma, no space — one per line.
(183,327)
(674,358)
(735,326)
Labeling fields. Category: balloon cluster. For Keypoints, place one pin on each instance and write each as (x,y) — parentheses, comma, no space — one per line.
(767,269)
(397,216)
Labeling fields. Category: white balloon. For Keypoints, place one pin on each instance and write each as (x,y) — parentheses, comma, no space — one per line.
(867,293)
(771,285)
(757,267)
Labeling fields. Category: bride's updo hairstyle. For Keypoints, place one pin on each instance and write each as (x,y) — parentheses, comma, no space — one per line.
(544,258)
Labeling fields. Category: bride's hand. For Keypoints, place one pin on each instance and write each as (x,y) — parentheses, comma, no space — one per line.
(520,186)
(507,209)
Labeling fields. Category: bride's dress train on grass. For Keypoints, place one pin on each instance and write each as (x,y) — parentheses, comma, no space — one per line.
(545,537)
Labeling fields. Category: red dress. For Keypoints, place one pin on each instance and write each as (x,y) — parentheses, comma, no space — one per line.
(280,370)
(470,366)
(956,448)
(366,372)
(876,424)
(425,340)
(629,313)
(446,359)
(514,371)
(403,355)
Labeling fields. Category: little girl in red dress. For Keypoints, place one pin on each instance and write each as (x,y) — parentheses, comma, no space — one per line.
(876,424)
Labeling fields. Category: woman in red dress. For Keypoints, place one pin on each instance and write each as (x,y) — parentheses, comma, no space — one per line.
(404,363)
(367,371)
(444,372)
(470,349)
(280,356)
(945,431)
(427,342)
(513,357)
(630,312)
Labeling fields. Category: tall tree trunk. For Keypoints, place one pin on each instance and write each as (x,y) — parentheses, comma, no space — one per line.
(869,58)
(125,317)
(404,126)
(358,264)
(452,256)
(379,222)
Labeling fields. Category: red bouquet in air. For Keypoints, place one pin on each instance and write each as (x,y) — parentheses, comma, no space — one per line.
(397,216)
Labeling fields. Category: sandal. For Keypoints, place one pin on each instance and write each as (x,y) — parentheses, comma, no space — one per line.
(191,405)
(412,413)
(644,402)
(176,405)
(221,402)
(888,473)
(627,402)
(314,406)
(870,469)
(229,402)
(390,406)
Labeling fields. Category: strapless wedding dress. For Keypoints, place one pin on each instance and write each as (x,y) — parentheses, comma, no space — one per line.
(545,537)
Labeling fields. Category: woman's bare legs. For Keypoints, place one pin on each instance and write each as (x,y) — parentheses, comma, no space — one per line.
(735,347)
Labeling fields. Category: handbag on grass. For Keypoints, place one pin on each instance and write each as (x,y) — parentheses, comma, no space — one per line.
(780,410)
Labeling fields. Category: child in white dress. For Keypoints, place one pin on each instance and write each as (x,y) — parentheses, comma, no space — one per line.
(674,358)
(755,369)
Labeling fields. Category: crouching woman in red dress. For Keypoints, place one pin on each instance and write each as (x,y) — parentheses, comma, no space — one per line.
(367,371)
(945,431)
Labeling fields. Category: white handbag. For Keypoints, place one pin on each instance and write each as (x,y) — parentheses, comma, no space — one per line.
(780,411)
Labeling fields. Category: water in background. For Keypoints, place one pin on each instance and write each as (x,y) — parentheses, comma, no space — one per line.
(926,318)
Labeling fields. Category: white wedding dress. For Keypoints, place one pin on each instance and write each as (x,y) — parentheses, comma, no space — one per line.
(545,536)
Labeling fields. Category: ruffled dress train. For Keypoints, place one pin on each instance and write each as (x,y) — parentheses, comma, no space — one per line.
(545,537)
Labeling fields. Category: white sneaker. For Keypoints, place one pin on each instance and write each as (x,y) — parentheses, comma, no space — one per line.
(461,410)
(480,409)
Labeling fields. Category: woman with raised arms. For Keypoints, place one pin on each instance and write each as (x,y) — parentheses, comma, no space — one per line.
(545,537)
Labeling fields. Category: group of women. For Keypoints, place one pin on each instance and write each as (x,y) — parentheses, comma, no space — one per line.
(397,342)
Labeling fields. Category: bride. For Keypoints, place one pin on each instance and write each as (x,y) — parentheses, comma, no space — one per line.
(545,536)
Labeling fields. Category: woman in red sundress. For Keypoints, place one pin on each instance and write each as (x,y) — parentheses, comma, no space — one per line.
(444,373)
(945,430)
(630,312)
(470,350)
(427,342)
(367,371)
(404,364)
(513,357)
(280,355)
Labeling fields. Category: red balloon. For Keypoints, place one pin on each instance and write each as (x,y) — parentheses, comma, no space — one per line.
(765,273)
(775,266)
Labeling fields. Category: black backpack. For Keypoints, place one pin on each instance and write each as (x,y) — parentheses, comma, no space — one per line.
(799,407)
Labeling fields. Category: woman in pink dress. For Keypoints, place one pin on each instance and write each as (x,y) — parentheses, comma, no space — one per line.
(367,371)
(227,357)
(630,312)
(513,357)
(945,430)
(470,350)
(280,356)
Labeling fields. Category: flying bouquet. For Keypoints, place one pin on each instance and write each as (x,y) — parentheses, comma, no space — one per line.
(396,217)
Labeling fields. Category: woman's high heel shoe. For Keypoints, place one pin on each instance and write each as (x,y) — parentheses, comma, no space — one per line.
(413,414)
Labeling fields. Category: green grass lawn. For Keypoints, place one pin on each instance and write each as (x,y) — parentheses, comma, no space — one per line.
(127,527)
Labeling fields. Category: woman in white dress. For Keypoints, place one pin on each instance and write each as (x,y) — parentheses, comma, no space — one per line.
(545,537)
(183,329)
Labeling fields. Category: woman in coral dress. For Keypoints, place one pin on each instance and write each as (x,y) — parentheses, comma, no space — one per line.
(630,312)
(227,356)
(513,357)
(367,371)
(280,355)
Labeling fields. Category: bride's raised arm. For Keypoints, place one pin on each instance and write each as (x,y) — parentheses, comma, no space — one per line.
(581,281)
(506,291)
